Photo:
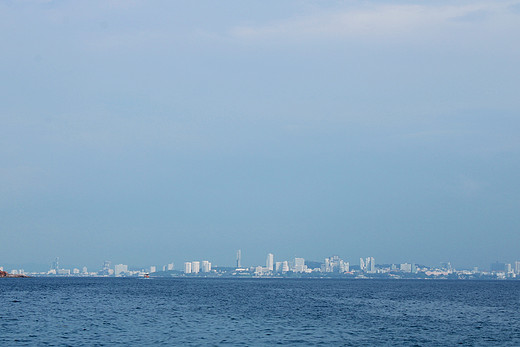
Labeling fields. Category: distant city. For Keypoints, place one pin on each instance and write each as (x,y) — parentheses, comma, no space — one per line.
(333,266)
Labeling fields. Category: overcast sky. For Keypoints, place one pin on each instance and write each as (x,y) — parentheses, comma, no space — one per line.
(145,132)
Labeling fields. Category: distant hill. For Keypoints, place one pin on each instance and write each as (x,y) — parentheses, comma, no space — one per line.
(313,264)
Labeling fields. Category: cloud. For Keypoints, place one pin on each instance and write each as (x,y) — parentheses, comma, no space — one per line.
(379,21)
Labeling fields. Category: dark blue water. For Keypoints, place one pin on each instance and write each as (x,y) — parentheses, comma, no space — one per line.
(103,311)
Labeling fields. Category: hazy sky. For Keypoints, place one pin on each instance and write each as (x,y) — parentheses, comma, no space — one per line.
(145,132)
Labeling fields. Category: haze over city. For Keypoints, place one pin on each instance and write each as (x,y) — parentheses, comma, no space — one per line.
(188,130)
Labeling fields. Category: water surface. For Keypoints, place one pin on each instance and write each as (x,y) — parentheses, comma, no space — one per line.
(112,311)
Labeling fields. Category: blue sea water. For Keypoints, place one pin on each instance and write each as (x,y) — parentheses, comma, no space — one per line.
(111,311)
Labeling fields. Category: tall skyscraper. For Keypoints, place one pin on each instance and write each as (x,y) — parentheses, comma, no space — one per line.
(362,265)
(517,267)
(335,264)
(299,265)
(270,262)
(344,266)
(327,266)
(195,267)
(239,258)
(285,266)
(372,266)
(187,267)
(56,264)
(206,266)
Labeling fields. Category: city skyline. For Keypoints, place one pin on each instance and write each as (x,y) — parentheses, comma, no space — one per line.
(272,266)
(255,256)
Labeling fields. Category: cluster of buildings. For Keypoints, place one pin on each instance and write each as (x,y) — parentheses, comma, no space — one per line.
(279,267)
(332,266)
(506,270)
(194,267)
(107,270)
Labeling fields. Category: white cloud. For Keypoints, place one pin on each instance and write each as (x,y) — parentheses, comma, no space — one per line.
(381,21)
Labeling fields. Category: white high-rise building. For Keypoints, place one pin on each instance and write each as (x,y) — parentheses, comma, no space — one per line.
(335,264)
(195,267)
(278,266)
(239,258)
(344,266)
(367,265)
(153,269)
(269,263)
(169,267)
(299,265)
(517,267)
(206,266)
(327,266)
(285,266)
(187,267)
(371,267)
(120,269)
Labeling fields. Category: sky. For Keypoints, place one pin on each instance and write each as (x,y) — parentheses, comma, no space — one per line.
(146,132)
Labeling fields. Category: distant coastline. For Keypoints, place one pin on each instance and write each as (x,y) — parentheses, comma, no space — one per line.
(294,276)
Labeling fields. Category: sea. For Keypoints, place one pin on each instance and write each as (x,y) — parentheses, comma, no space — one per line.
(257,312)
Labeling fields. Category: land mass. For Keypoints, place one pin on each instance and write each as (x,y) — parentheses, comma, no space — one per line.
(6,274)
